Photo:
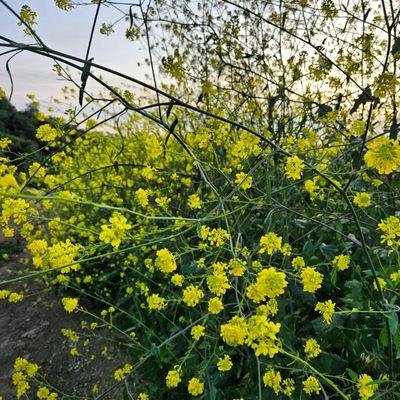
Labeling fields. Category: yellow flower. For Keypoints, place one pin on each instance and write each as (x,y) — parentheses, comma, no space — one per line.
(163,202)
(74,352)
(216,236)
(270,283)
(165,261)
(192,296)
(37,169)
(270,243)
(382,283)
(383,155)
(15,297)
(194,201)
(218,283)
(261,335)
(341,262)
(366,387)
(225,363)
(116,231)
(121,373)
(362,199)
(46,133)
(142,197)
(156,302)
(294,167)
(245,181)
(69,303)
(143,396)
(215,305)
(298,262)
(312,348)
(173,377)
(237,267)
(273,380)
(197,332)
(327,309)
(195,387)
(234,332)
(311,279)
(311,385)
(177,279)
(390,228)
(288,387)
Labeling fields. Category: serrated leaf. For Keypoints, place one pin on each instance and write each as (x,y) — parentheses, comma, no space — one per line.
(396,48)
(363,98)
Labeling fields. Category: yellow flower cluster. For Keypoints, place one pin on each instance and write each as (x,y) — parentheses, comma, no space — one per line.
(311,278)
(156,302)
(44,393)
(192,295)
(235,331)
(12,297)
(327,309)
(197,332)
(116,231)
(215,305)
(46,133)
(14,211)
(269,283)
(70,304)
(273,380)
(23,370)
(383,155)
(243,180)
(294,167)
(173,377)
(362,199)
(142,197)
(312,348)
(165,261)
(215,237)
(311,385)
(366,387)
(194,201)
(217,282)
(225,363)
(341,262)
(258,332)
(121,373)
(390,228)
(270,243)
(195,387)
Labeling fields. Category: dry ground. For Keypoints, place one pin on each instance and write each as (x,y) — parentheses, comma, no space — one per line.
(31,329)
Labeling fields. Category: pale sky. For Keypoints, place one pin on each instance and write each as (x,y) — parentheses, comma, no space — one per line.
(68,32)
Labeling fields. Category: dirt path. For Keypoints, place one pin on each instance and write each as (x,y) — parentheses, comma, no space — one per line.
(32,329)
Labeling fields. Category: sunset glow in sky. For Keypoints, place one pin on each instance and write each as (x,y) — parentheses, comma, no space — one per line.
(67,32)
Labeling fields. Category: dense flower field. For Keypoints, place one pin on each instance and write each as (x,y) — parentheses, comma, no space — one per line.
(214,284)
(237,250)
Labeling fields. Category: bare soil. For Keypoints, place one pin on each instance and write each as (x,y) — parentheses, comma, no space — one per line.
(32,329)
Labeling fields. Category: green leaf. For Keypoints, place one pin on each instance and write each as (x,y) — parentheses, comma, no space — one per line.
(396,48)
(328,250)
(308,249)
(353,375)
(393,322)
(363,98)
